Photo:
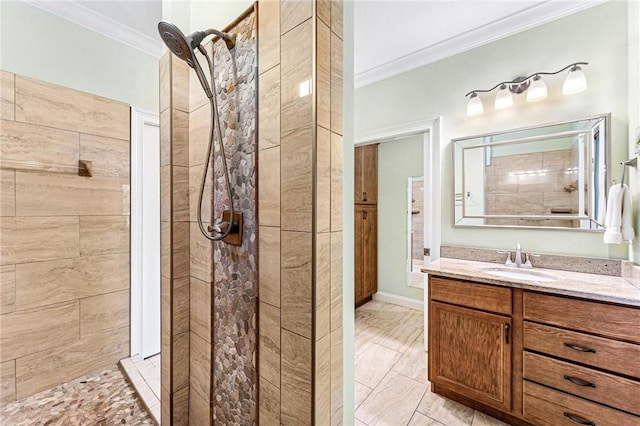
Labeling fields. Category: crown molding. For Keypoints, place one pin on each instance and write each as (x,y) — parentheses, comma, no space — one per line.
(88,18)
(496,30)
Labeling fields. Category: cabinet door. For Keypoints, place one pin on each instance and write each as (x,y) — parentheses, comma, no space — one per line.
(370,259)
(359,254)
(470,353)
(370,174)
(366,174)
(358,178)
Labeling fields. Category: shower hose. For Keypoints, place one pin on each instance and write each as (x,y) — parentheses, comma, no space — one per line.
(219,226)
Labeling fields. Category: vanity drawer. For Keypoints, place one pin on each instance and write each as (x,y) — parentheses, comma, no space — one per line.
(597,386)
(478,296)
(619,322)
(547,407)
(599,352)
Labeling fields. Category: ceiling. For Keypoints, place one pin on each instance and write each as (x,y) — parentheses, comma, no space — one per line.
(390,36)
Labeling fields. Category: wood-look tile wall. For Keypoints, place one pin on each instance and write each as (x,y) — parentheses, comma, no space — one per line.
(300,205)
(177,239)
(64,285)
(201,256)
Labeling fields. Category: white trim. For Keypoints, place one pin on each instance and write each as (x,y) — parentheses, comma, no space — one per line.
(396,132)
(520,21)
(139,118)
(108,27)
(399,300)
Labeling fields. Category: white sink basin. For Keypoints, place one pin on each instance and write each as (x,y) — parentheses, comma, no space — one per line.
(521,274)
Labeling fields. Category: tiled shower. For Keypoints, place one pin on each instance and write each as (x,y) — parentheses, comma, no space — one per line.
(250,333)
(263,320)
(210,336)
(64,237)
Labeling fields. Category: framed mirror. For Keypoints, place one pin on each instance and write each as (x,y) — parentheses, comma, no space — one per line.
(415,231)
(548,176)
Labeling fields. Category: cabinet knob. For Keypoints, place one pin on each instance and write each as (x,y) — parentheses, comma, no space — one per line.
(364,214)
(507,329)
(364,196)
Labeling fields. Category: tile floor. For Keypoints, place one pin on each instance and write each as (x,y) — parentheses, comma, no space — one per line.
(100,398)
(417,277)
(144,374)
(391,387)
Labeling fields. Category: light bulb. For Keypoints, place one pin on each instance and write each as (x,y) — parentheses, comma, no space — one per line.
(575,82)
(474,107)
(503,98)
(537,91)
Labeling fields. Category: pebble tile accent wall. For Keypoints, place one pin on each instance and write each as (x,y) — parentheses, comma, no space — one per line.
(235,334)
(300,205)
(64,299)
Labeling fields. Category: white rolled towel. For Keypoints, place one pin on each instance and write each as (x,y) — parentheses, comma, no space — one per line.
(627,216)
(617,222)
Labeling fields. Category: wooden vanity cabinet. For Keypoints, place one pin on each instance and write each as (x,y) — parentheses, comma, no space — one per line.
(470,338)
(531,358)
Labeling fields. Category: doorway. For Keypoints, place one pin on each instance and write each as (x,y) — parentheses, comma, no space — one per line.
(390,338)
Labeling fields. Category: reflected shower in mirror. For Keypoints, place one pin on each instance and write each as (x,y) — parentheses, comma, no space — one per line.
(415,231)
(549,176)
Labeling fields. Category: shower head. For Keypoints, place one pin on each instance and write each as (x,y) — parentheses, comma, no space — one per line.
(184,46)
(180,45)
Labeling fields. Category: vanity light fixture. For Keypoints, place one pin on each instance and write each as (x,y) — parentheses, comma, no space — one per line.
(534,85)
(474,107)
(538,90)
(503,98)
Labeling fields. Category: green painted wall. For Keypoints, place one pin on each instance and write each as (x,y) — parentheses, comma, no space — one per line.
(397,160)
(38,44)
(598,35)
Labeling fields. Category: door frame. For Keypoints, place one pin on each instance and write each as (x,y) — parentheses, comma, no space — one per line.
(430,129)
(139,118)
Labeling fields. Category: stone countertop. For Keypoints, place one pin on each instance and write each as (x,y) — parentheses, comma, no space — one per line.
(577,284)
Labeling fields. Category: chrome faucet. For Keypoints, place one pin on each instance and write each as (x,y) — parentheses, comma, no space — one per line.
(518,260)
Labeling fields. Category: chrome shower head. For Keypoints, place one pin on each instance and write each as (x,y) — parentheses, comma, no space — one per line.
(180,45)
(184,48)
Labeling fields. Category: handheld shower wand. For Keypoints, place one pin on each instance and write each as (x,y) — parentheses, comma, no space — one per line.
(184,48)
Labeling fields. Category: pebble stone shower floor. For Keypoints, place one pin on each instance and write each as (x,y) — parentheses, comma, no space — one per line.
(100,398)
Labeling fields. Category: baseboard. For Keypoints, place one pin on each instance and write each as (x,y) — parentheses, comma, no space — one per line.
(399,300)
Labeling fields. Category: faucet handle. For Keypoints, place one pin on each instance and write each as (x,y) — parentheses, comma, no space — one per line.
(527,264)
(509,262)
